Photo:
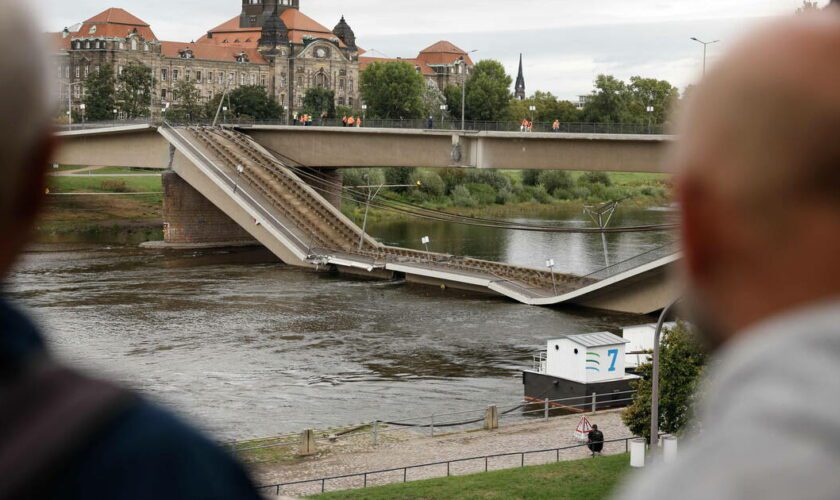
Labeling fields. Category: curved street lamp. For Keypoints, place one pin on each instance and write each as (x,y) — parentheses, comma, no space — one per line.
(705,45)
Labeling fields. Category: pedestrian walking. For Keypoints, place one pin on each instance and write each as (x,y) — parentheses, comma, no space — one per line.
(358,122)
(555,126)
(351,122)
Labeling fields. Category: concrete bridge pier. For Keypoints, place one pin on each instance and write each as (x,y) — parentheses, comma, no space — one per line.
(328,182)
(191,220)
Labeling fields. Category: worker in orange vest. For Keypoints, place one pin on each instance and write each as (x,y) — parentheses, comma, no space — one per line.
(358,122)
(351,121)
(344,121)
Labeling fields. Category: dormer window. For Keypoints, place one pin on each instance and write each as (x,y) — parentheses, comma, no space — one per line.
(242,57)
(186,54)
(92,30)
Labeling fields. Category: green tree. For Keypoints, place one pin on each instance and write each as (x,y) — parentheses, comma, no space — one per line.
(609,102)
(393,90)
(100,94)
(549,108)
(682,360)
(134,90)
(452,94)
(187,101)
(644,92)
(250,101)
(319,100)
(398,176)
(488,91)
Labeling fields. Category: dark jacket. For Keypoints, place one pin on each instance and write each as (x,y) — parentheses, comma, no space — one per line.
(139,452)
(596,441)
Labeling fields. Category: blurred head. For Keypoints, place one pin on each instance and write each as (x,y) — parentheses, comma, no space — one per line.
(594,427)
(25,136)
(758,177)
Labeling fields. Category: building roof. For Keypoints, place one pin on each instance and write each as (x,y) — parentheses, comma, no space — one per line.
(210,52)
(599,339)
(443,52)
(114,23)
(298,24)
(58,42)
(117,16)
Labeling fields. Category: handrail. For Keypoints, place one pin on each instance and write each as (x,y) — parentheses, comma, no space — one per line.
(232,183)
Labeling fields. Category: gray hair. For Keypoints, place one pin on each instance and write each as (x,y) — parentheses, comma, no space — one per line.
(25,102)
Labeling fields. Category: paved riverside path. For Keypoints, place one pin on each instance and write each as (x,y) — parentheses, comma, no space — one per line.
(404,448)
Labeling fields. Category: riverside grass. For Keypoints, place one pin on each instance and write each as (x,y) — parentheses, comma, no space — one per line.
(590,478)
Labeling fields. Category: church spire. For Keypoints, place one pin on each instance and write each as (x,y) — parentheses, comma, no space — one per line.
(520,82)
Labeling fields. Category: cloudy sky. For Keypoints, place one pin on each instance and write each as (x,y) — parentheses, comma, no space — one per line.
(565,43)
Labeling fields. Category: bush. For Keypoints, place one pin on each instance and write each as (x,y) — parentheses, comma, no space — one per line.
(563,194)
(461,197)
(505,196)
(530,177)
(492,178)
(580,193)
(682,362)
(452,177)
(540,193)
(114,186)
(482,193)
(430,183)
(595,178)
(555,179)
(398,176)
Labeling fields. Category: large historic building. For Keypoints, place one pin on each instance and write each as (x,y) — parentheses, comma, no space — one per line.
(271,43)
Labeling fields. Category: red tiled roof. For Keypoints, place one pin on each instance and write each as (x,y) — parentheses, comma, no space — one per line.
(443,52)
(298,24)
(114,23)
(58,42)
(116,16)
(210,52)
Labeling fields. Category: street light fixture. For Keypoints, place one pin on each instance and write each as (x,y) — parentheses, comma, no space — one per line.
(650,110)
(82,107)
(364,112)
(705,45)
(462,61)
(443,108)
(425,240)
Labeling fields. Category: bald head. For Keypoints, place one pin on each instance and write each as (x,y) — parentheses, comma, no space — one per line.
(25,108)
(758,167)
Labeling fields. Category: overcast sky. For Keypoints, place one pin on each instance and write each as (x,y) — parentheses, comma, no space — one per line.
(566,43)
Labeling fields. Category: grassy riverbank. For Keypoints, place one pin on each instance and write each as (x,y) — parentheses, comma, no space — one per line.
(592,479)
(109,205)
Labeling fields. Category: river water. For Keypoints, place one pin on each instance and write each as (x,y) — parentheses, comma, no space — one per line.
(246,346)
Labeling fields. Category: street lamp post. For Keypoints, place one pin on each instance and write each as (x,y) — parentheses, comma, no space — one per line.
(443,108)
(462,61)
(654,379)
(70,101)
(650,110)
(705,45)
(532,109)
(364,113)
(82,107)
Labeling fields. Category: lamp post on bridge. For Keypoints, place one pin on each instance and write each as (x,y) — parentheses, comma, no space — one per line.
(443,108)
(650,110)
(705,45)
(371,195)
(462,62)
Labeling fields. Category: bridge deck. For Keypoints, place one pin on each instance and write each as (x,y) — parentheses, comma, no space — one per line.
(313,233)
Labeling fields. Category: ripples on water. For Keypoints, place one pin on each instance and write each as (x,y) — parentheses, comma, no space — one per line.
(249,347)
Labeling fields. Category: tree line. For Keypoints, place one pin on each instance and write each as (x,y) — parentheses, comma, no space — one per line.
(391,90)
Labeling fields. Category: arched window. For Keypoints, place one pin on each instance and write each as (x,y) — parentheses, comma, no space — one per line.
(321,80)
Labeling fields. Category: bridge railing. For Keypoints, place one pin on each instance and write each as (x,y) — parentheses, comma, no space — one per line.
(660,252)
(409,124)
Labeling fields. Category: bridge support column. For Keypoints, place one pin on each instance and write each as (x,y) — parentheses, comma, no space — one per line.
(328,182)
(191,220)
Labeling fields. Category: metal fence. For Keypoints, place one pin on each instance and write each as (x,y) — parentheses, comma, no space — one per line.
(668,249)
(434,424)
(364,476)
(413,124)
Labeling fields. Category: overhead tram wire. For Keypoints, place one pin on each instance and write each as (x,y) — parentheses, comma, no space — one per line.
(418,211)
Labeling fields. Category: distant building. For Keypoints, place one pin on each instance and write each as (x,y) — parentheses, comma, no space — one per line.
(271,43)
(583,100)
(442,64)
(519,92)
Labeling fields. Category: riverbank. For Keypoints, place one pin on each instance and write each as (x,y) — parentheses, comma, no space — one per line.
(356,452)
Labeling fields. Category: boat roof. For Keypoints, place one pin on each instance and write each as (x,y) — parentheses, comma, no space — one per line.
(599,339)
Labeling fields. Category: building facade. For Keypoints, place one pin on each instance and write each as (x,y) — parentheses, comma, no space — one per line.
(271,43)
